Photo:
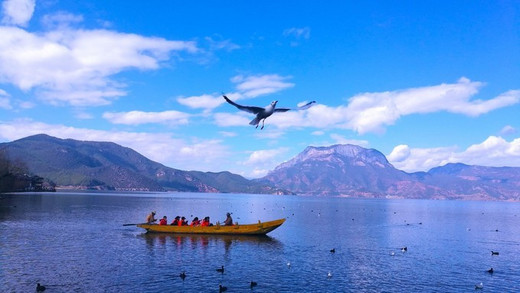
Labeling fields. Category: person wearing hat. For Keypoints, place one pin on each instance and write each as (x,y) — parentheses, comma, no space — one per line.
(150,219)
(229,220)
(176,221)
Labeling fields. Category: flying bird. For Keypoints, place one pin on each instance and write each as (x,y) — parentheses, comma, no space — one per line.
(263,113)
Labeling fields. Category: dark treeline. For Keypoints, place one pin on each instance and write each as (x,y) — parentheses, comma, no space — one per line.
(14,176)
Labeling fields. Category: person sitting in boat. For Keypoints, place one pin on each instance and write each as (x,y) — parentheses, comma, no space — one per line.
(183,222)
(195,222)
(150,219)
(163,221)
(176,221)
(229,220)
(206,223)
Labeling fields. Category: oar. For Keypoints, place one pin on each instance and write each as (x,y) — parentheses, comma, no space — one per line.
(130,224)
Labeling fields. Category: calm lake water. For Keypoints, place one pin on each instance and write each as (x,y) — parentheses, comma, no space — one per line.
(76,242)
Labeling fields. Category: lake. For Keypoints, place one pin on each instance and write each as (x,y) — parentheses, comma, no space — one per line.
(76,242)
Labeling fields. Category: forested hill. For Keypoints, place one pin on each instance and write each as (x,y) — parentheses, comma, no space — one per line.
(338,170)
(109,166)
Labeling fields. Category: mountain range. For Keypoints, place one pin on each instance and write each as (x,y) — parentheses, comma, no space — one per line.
(353,171)
(108,166)
(338,170)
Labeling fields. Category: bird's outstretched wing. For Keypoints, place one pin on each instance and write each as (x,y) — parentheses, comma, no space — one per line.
(250,109)
(304,107)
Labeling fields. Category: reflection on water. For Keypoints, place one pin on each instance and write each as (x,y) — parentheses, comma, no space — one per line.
(76,243)
(203,241)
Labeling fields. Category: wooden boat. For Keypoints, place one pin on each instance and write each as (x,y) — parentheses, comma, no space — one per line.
(260,228)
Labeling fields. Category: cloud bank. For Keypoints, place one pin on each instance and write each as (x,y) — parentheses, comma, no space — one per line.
(373,112)
(495,151)
(68,66)
(17,12)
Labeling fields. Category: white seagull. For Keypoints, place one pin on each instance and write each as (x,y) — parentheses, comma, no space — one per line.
(263,113)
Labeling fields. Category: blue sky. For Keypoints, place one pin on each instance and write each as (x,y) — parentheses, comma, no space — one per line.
(424,82)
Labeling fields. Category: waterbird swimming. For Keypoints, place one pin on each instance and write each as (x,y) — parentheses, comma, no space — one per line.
(40,288)
(221,270)
(494,252)
(404,249)
(479,286)
(253,284)
(182,275)
(490,271)
(221,288)
(333,250)
(329,275)
(264,113)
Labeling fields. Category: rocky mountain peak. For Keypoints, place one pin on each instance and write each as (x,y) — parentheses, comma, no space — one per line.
(347,152)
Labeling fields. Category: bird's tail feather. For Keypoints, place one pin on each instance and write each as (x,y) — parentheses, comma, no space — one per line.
(254,122)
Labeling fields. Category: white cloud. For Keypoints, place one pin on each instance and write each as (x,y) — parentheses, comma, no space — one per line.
(207,102)
(246,86)
(399,153)
(77,66)
(217,43)
(17,12)
(508,130)
(264,160)
(269,134)
(140,117)
(318,116)
(226,119)
(61,20)
(494,151)
(298,33)
(256,85)
(228,133)
(372,112)
(339,139)
(257,173)
(421,159)
(184,154)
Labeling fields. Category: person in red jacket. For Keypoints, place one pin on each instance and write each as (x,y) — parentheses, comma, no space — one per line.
(176,221)
(163,221)
(206,223)
(195,222)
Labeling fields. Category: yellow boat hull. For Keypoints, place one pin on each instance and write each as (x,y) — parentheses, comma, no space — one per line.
(260,228)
